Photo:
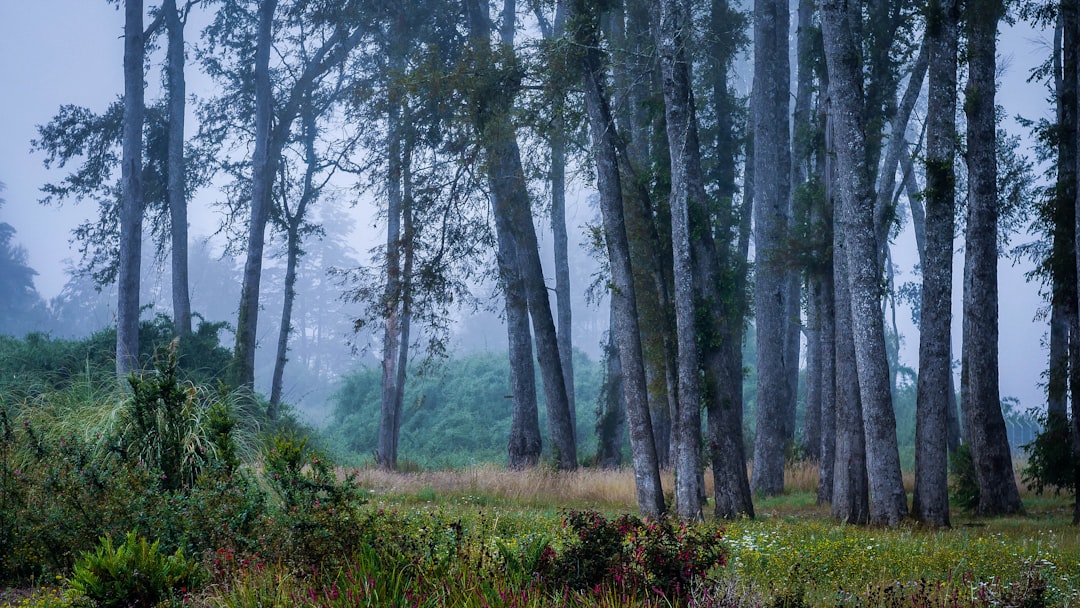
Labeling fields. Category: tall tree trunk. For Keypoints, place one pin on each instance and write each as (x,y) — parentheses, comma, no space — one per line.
(630,31)
(557,178)
(285,327)
(931,501)
(1070,118)
(131,201)
(829,426)
(181,294)
(722,357)
(605,148)
(687,191)
(386,455)
(980,399)
(772,167)
(263,170)
(1063,276)
(855,212)
(512,209)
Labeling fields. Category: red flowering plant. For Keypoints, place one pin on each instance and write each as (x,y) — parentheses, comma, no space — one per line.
(638,557)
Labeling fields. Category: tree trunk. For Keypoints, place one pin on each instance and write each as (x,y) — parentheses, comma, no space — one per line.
(285,327)
(131,201)
(605,148)
(510,201)
(687,191)
(980,399)
(931,501)
(525,443)
(557,177)
(386,455)
(263,170)
(850,492)
(772,168)
(855,212)
(829,427)
(181,295)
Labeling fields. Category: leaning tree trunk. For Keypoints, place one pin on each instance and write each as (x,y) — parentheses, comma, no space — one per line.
(772,168)
(931,501)
(980,399)
(493,107)
(855,212)
(605,148)
(131,201)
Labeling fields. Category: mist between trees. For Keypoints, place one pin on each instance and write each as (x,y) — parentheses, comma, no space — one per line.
(558,169)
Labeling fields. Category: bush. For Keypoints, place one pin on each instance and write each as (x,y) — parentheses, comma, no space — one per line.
(1051,461)
(661,556)
(963,486)
(133,574)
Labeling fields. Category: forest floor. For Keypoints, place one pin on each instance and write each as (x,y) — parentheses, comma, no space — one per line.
(485,536)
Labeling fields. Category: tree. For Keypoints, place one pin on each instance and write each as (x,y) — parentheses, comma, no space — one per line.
(21,308)
(275,108)
(131,192)
(176,186)
(611,164)
(855,218)
(772,162)
(687,191)
(931,500)
(980,400)
(496,82)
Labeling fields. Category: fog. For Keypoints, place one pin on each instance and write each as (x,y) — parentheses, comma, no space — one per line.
(70,52)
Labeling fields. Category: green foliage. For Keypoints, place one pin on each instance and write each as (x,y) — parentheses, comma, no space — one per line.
(455,418)
(1051,460)
(135,573)
(660,557)
(963,486)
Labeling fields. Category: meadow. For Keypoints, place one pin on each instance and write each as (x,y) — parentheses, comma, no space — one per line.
(173,493)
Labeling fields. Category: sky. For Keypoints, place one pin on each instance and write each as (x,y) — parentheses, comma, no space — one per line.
(55,52)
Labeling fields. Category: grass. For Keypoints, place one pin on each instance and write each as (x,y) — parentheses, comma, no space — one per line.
(473,537)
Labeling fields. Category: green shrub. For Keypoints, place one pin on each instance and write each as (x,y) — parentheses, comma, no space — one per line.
(1051,461)
(658,556)
(963,486)
(134,573)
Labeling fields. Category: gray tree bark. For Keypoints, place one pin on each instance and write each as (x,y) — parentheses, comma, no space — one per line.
(687,191)
(263,169)
(855,212)
(131,201)
(606,152)
(273,121)
(980,399)
(181,293)
(498,82)
(931,500)
(772,168)
(850,490)
(293,221)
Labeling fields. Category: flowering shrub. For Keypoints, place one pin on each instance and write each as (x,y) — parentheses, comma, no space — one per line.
(658,556)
